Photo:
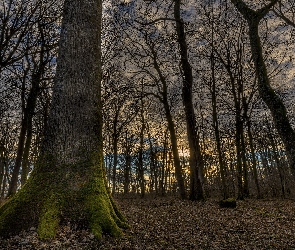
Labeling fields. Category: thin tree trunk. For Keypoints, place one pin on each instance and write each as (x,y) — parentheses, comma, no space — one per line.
(277,161)
(2,166)
(239,158)
(140,155)
(152,164)
(127,167)
(26,125)
(36,80)
(115,162)
(4,183)
(253,158)
(216,131)
(171,127)
(245,165)
(25,161)
(156,173)
(163,166)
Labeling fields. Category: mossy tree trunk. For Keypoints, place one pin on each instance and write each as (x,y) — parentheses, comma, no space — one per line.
(68,183)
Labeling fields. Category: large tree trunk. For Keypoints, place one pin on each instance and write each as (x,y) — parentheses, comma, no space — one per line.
(272,100)
(173,140)
(196,161)
(68,183)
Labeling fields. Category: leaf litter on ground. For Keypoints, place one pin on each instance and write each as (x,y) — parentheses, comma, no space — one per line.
(171,223)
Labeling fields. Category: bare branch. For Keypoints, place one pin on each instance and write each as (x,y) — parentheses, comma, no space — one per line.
(157,20)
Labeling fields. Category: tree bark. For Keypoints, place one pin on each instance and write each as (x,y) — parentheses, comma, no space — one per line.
(246,190)
(238,135)
(152,182)
(68,182)
(38,70)
(173,140)
(2,165)
(253,158)
(127,167)
(140,153)
(275,150)
(26,125)
(26,153)
(115,162)
(27,121)
(196,161)
(216,130)
(272,100)
(171,127)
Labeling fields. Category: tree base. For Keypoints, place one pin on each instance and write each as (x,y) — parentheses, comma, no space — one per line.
(47,201)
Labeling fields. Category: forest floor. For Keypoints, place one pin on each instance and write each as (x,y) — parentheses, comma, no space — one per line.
(170,223)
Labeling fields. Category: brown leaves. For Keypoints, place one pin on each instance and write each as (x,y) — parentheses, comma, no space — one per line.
(66,239)
(170,223)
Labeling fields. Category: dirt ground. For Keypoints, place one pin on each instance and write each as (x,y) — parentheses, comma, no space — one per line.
(170,223)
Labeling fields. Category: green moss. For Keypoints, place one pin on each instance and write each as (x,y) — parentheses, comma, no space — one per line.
(101,219)
(49,219)
(22,210)
(230,200)
(104,216)
(163,242)
(123,222)
(71,193)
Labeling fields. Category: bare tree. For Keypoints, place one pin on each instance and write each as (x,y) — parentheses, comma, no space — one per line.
(272,100)
(196,161)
